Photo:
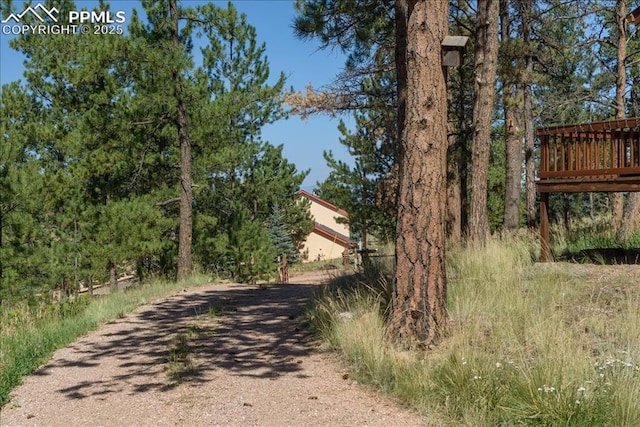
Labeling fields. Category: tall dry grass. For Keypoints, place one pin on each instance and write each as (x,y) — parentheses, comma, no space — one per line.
(528,344)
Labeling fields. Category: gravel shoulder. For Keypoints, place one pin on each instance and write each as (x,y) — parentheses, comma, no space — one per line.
(248,362)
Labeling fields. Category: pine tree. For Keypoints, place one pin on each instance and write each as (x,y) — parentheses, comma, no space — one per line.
(244,176)
(368,88)
(418,313)
(364,189)
(250,248)
(21,187)
(280,237)
(91,163)
(163,63)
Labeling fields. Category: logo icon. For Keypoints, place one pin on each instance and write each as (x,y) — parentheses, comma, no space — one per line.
(38,11)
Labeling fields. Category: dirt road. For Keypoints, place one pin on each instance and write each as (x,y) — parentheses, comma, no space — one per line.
(220,355)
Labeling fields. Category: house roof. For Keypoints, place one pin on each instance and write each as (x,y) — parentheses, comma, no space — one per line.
(322,202)
(333,235)
(634,16)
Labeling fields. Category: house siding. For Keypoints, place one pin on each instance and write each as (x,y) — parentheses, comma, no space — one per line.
(319,248)
(322,244)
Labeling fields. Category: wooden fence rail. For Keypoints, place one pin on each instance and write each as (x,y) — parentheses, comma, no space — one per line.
(589,154)
(599,156)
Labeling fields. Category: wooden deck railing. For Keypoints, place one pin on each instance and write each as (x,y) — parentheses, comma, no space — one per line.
(604,150)
(601,156)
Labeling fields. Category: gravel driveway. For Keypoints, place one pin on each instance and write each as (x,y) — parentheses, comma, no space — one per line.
(245,360)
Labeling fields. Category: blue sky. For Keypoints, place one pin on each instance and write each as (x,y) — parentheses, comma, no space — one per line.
(301,61)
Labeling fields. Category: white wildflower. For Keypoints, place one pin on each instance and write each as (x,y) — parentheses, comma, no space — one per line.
(547,389)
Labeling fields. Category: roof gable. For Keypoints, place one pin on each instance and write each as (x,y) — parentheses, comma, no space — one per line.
(312,197)
(634,16)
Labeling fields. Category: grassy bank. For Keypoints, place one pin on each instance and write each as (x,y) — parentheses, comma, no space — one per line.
(594,241)
(30,334)
(528,344)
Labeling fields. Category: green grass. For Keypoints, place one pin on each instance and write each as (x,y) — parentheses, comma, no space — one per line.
(589,240)
(178,361)
(529,344)
(306,267)
(30,334)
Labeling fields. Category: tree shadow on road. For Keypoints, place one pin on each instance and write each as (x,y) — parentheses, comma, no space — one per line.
(237,330)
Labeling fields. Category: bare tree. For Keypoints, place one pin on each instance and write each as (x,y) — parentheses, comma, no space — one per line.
(419,295)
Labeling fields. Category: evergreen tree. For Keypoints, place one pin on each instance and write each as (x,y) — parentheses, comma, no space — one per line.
(243,176)
(98,129)
(250,248)
(163,65)
(280,237)
(298,219)
(357,189)
(418,308)
(486,59)
(367,89)
(21,187)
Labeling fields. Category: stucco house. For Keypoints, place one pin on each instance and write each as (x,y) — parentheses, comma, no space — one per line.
(329,238)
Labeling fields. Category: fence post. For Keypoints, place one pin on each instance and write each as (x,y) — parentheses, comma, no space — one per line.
(284,270)
(545,249)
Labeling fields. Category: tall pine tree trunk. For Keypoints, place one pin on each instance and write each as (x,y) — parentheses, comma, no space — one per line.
(513,153)
(513,174)
(529,128)
(454,200)
(529,156)
(627,218)
(463,150)
(631,217)
(389,185)
(1,247)
(401,64)
(186,190)
(486,66)
(617,199)
(617,210)
(113,276)
(419,295)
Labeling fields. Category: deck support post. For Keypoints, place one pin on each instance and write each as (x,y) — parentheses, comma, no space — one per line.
(545,247)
